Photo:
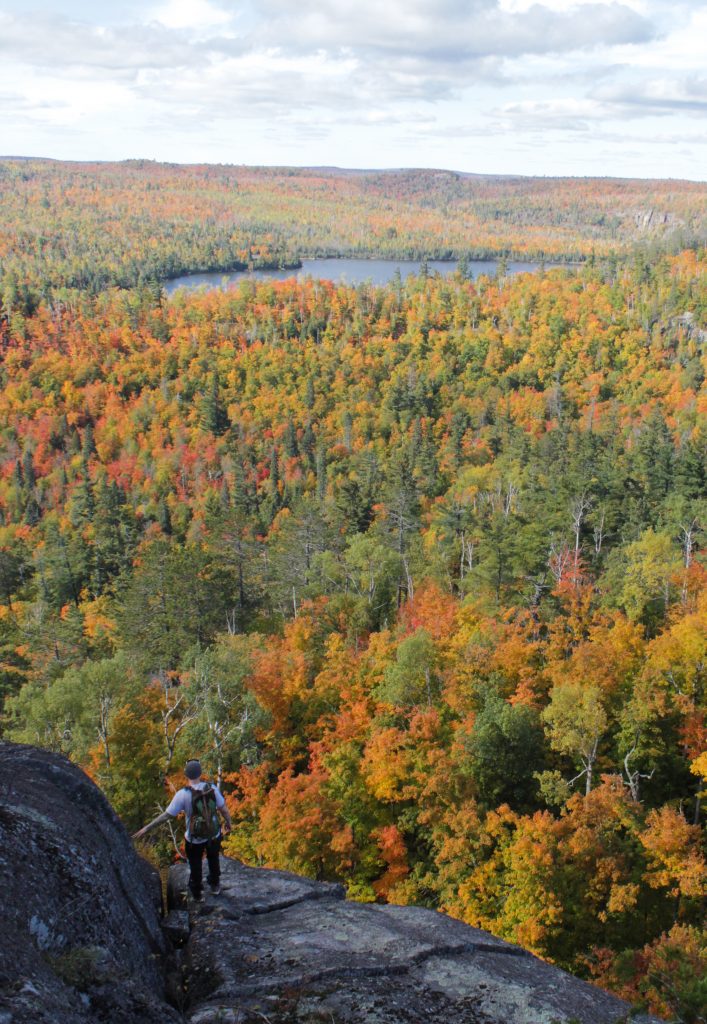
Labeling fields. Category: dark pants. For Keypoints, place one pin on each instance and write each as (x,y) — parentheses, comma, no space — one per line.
(195,856)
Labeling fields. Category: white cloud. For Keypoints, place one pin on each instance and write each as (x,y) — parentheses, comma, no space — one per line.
(452,31)
(428,82)
(614,101)
(659,96)
(193,14)
(51,42)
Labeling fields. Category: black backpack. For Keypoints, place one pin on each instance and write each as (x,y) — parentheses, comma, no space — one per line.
(203,820)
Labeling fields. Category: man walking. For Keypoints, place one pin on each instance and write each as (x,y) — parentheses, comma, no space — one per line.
(201,803)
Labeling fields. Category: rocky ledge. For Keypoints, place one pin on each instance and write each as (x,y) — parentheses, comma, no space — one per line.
(282,949)
(82,940)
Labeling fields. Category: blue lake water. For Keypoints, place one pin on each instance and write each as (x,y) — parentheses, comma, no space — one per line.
(350,271)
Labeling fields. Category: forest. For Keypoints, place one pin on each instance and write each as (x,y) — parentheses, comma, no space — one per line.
(89,226)
(418,571)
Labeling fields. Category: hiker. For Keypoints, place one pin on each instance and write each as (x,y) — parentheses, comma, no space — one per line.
(200,803)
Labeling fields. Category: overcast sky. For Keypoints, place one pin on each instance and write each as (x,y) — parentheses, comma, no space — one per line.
(505,86)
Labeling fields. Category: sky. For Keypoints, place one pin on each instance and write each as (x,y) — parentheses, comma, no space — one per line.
(489,86)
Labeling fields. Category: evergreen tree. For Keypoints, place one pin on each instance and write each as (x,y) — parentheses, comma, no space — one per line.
(690,469)
(28,474)
(321,474)
(653,460)
(291,447)
(164,518)
(88,446)
(309,444)
(214,417)
(83,503)
(33,512)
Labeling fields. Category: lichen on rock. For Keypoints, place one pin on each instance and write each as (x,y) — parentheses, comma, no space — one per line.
(289,950)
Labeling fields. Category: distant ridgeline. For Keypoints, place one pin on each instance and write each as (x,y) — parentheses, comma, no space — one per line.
(90,226)
(417,570)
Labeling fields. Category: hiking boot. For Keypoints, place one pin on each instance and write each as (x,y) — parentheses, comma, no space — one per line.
(215,888)
(198,898)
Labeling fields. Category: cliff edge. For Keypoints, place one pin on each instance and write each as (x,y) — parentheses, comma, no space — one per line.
(283,949)
(82,939)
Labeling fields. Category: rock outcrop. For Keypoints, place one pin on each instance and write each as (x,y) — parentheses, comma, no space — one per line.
(278,948)
(82,940)
(80,934)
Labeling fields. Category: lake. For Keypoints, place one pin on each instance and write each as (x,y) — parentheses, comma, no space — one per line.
(350,271)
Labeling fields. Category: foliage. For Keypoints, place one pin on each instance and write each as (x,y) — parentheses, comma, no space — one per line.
(89,226)
(418,571)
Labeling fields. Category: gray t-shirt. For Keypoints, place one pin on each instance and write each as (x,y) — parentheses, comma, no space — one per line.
(181,804)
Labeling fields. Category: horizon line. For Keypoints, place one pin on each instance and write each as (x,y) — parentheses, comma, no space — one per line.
(335,168)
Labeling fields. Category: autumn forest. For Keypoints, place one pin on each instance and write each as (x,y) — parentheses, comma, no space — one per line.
(417,570)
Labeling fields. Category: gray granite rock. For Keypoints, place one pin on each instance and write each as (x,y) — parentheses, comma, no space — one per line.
(278,948)
(82,940)
(80,936)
